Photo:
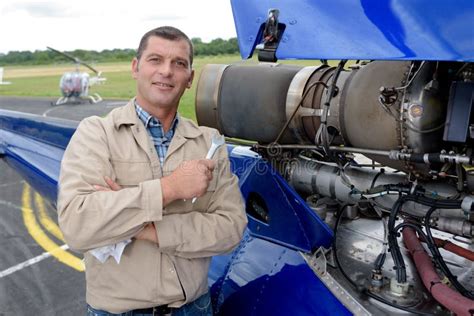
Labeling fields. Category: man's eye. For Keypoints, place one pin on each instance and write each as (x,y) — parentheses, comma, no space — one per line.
(181,63)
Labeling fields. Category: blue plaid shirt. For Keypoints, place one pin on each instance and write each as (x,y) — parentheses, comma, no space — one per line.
(155,130)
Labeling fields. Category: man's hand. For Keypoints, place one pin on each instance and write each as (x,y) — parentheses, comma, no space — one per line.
(112,185)
(189,180)
(148,232)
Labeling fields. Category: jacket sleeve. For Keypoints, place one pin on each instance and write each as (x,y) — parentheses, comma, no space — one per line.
(204,234)
(88,218)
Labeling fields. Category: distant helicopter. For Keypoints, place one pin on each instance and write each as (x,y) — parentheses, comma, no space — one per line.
(75,85)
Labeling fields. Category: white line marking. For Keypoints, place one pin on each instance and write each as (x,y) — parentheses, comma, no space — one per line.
(115,103)
(10,204)
(10,183)
(29,262)
(45,114)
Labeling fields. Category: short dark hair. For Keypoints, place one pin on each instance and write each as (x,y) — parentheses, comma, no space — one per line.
(166,32)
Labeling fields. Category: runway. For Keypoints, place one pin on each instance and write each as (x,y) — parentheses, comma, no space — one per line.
(38,274)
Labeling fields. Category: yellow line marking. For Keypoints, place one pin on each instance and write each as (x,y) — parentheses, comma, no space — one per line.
(45,220)
(41,238)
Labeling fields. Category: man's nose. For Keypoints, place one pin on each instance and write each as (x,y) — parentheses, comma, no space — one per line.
(165,69)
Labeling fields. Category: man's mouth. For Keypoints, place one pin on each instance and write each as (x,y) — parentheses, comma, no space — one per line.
(163,85)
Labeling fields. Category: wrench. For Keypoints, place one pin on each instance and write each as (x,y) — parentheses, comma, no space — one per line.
(216,142)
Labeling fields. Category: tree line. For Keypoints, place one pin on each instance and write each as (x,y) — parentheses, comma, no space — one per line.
(43,57)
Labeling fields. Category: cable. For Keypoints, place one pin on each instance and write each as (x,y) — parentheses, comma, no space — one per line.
(392,238)
(412,78)
(411,225)
(321,136)
(314,84)
(380,260)
(385,301)
(393,244)
(359,288)
(382,171)
(395,249)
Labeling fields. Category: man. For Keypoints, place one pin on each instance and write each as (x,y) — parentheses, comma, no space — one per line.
(133,175)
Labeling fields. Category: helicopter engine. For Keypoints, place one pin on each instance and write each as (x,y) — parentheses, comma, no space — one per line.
(412,121)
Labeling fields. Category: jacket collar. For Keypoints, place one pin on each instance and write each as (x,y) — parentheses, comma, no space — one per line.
(128,116)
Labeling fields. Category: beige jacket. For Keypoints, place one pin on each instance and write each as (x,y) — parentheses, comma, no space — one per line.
(174,273)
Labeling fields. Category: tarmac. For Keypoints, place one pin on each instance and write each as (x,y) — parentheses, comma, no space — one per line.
(39,275)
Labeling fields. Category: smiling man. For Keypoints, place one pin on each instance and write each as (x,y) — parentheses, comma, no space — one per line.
(127,182)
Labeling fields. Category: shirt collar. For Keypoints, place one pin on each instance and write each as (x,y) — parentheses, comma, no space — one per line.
(128,115)
(149,120)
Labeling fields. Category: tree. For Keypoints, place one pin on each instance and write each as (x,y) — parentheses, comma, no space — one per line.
(217,46)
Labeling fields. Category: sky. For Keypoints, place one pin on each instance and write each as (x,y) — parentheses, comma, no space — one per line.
(106,24)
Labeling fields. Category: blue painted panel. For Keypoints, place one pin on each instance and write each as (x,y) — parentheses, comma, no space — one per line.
(363,29)
(53,131)
(34,146)
(266,279)
(37,162)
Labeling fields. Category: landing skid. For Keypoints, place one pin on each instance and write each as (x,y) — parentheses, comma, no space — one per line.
(93,99)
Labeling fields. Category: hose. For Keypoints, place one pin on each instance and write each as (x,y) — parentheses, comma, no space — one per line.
(446,296)
(451,247)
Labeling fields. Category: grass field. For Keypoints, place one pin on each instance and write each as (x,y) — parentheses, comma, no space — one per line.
(43,81)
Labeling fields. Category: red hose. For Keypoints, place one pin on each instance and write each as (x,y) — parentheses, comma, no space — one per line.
(449,246)
(463,252)
(446,296)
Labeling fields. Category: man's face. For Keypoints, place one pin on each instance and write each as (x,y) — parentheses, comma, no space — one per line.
(162,73)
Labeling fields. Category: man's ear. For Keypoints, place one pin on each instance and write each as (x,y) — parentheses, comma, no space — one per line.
(190,82)
(134,67)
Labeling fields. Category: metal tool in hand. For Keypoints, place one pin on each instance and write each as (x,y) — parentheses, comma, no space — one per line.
(216,142)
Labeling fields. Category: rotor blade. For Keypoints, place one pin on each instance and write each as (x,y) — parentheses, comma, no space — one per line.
(74,59)
(88,66)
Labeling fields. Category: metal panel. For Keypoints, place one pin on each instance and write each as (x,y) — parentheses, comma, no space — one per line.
(364,29)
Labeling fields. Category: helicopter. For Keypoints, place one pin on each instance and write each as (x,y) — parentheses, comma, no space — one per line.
(75,85)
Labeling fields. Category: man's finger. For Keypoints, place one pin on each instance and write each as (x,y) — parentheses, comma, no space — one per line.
(112,184)
(209,163)
(101,188)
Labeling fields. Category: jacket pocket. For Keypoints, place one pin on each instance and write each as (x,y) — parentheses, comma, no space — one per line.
(131,173)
